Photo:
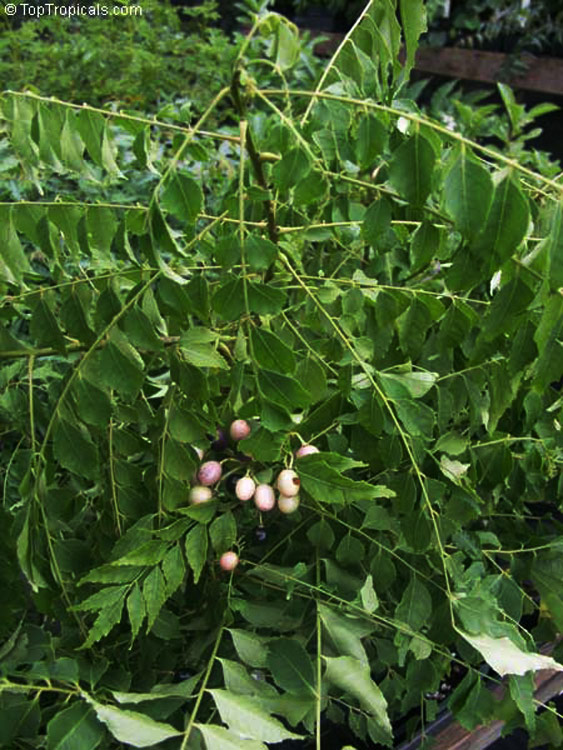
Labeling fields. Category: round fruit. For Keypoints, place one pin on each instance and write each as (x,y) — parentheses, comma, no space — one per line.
(306,450)
(288,505)
(264,497)
(260,534)
(288,483)
(209,473)
(240,429)
(199,494)
(245,488)
(229,560)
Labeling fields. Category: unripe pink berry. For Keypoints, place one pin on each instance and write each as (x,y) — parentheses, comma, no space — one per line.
(264,497)
(287,504)
(239,429)
(245,488)
(199,494)
(306,450)
(209,473)
(288,483)
(229,560)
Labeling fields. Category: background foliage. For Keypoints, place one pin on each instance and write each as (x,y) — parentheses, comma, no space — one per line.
(338,268)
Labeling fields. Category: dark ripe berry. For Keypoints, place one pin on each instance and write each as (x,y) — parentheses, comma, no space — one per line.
(221,441)
(231,483)
(260,534)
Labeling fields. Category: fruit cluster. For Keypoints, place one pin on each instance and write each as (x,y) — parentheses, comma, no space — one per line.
(246,488)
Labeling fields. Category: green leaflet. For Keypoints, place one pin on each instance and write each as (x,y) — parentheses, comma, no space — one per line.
(182,196)
(410,170)
(468,193)
(219,738)
(506,225)
(132,727)
(353,677)
(73,727)
(291,666)
(243,716)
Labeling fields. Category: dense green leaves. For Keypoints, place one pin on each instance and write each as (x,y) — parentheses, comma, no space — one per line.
(356,283)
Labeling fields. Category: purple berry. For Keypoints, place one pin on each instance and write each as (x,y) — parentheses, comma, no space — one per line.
(209,473)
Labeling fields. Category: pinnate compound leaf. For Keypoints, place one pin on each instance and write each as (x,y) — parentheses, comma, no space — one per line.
(507,658)
(219,738)
(245,718)
(468,193)
(354,678)
(291,666)
(74,727)
(131,727)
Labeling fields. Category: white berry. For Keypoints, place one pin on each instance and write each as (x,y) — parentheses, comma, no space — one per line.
(229,560)
(245,488)
(306,450)
(288,482)
(264,497)
(200,494)
(287,504)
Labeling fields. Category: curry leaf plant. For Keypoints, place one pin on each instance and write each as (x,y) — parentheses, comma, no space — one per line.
(338,271)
